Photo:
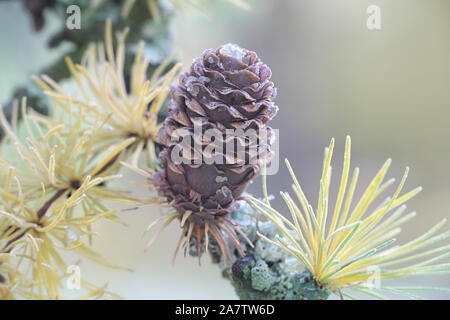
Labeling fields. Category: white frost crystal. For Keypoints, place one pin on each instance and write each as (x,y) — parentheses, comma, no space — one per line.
(72,235)
(190,81)
(190,88)
(203,79)
(234,51)
(220,179)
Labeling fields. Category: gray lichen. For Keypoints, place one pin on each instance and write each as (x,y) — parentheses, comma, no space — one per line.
(262,277)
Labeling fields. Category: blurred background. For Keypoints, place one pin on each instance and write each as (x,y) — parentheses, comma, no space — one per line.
(389,89)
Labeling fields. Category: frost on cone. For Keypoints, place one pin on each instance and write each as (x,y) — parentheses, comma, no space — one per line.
(215,139)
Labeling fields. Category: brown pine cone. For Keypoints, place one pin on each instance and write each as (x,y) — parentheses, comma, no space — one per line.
(227,89)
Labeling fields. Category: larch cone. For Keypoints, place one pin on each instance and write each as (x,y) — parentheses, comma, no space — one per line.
(226,92)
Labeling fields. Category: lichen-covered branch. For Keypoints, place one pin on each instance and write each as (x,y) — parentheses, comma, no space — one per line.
(266,272)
